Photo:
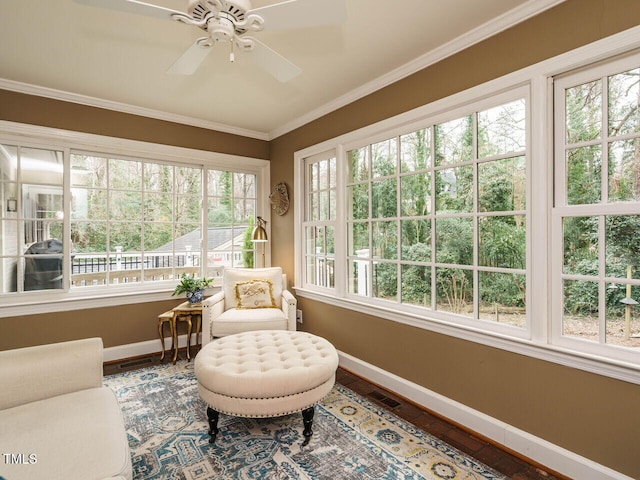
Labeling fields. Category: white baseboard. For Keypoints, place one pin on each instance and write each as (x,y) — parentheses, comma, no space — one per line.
(545,453)
(142,348)
(537,449)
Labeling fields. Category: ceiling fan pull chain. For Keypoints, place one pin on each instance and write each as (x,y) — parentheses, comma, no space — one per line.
(232,57)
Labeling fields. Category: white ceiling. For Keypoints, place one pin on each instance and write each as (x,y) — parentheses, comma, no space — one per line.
(109,58)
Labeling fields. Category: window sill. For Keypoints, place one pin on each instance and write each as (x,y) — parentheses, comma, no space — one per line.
(628,372)
(47,302)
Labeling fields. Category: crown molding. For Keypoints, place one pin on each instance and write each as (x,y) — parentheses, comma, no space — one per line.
(39,91)
(490,28)
(487,30)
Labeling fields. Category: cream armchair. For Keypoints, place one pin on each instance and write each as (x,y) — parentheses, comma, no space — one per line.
(232,311)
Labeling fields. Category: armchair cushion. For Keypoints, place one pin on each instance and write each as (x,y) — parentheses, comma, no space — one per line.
(231,276)
(255,294)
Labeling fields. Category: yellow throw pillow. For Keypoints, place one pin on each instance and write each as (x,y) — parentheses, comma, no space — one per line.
(255,294)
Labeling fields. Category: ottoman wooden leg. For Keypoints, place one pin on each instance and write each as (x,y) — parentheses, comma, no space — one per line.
(213,416)
(307,419)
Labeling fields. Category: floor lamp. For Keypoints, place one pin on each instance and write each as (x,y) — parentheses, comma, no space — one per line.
(259,235)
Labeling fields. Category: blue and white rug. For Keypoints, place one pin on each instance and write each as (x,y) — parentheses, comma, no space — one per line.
(352,438)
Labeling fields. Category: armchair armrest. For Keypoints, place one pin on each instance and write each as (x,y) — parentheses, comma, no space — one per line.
(35,373)
(289,304)
(212,307)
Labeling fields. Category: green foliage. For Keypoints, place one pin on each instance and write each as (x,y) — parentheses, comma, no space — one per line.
(189,283)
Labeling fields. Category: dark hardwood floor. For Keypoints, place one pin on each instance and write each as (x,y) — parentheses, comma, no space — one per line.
(515,467)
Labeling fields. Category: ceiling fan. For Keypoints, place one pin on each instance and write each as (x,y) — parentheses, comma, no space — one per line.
(229,21)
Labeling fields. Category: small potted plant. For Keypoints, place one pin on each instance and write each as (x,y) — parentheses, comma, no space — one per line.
(193,287)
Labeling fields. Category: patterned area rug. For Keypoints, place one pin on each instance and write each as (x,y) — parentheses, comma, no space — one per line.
(352,438)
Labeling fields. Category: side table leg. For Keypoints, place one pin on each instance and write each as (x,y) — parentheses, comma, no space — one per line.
(189,327)
(161,335)
(307,419)
(174,338)
(213,417)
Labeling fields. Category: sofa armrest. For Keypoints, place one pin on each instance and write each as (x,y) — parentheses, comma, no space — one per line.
(289,304)
(212,307)
(35,373)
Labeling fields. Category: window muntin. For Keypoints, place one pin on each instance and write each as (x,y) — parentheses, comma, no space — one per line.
(127,221)
(414,218)
(596,209)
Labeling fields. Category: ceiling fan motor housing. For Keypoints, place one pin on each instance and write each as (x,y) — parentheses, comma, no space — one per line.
(220,17)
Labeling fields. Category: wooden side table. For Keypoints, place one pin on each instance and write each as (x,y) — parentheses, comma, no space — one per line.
(186,312)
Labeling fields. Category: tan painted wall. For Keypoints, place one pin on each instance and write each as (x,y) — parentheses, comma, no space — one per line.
(594,416)
(591,415)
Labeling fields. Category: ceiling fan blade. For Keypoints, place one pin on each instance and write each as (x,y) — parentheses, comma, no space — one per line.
(133,6)
(302,14)
(190,60)
(272,62)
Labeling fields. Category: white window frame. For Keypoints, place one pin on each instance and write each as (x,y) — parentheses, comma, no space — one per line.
(67,141)
(537,342)
(561,210)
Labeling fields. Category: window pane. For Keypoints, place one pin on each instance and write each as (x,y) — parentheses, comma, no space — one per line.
(125,205)
(502,298)
(580,245)
(384,194)
(502,185)
(89,236)
(158,236)
(158,178)
(359,201)
(454,141)
(502,241)
(385,240)
(454,190)
(454,291)
(416,240)
(125,174)
(416,285)
(624,98)
(622,319)
(244,185)
(584,112)
(158,207)
(501,130)
(187,208)
(454,241)
(127,235)
(8,163)
(358,164)
(41,166)
(88,171)
(624,170)
(580,316)
(584,170)
(415,191)
(385,280)
(384,158)
(359,272)
(188,180)
(88,203)
(415,150)
(622,234)
(359,238)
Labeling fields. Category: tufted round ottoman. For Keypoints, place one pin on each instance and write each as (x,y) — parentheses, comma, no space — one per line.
(265,373)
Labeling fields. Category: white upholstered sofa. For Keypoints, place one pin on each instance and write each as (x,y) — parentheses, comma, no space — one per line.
(57,421)
(221,315)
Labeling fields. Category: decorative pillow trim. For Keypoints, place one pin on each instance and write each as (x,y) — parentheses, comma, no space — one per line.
(254,294)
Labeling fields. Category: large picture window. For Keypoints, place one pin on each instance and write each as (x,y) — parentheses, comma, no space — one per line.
(75,220)
(436,218)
